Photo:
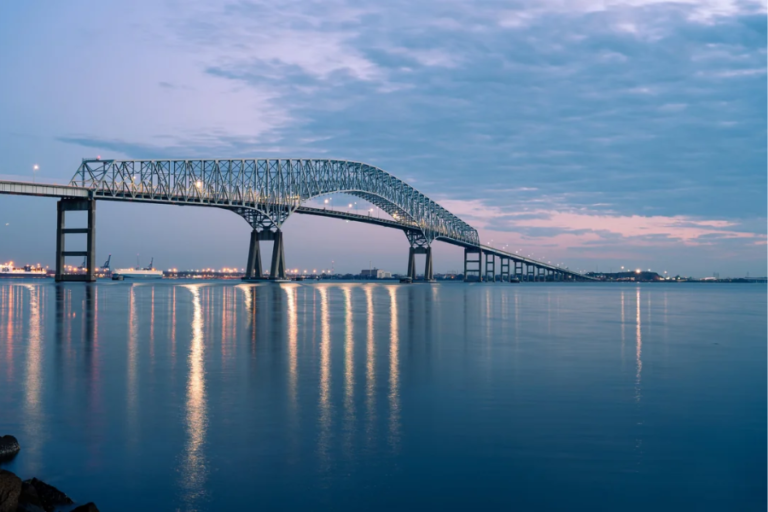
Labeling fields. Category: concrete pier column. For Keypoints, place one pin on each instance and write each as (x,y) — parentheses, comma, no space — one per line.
(412,263)
(91,241)
(505,274)
(277,270)
(428,273)
(60,240)
(67,205)
(468,262)
(253,267)
(490,267)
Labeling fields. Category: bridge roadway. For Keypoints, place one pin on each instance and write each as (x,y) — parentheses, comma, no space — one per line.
(77,197)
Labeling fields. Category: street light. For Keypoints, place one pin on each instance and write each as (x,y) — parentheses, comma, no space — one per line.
(34,169)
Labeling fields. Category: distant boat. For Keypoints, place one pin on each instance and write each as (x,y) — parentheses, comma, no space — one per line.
(137,273)
(8,270)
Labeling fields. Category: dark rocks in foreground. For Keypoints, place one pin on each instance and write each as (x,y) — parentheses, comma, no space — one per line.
(9,447)
(45,495)
(88,507)
(10,489)
(33,495)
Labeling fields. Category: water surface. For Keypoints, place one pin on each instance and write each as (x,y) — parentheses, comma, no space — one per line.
(198,395)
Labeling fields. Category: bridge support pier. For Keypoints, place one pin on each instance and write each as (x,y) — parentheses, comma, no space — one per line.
(277,270)
(468,263)
(68,205)
(490,267)
(429,275)
(253,270)
(428,272)
(519,270)
(505,269)
(412,264)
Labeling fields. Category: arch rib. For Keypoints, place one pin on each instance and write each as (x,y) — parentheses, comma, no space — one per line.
(273,187)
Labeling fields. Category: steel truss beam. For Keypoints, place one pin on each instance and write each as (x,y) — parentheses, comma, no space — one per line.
(275,188)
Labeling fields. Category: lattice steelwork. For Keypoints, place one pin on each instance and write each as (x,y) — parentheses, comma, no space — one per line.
(267,191)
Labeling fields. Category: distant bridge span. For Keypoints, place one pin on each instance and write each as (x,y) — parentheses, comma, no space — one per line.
(265,192)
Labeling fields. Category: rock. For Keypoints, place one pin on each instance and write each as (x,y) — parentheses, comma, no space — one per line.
(29,501)
(28,507)
(88,507)
(50,497)
(10,489)
(9,447)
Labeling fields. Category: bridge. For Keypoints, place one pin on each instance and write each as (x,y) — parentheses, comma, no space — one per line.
(265,192)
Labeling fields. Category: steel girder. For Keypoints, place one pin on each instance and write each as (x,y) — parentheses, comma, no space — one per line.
(274,188)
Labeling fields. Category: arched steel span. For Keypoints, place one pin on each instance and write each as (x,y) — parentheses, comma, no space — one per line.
(266,191)
(76,197)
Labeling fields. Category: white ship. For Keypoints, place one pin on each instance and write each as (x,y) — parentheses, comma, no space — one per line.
(8,270)
(137,273)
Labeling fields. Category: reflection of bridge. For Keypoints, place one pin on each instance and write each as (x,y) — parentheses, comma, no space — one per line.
(265,192)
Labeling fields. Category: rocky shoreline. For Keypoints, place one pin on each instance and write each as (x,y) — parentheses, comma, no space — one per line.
(31,495)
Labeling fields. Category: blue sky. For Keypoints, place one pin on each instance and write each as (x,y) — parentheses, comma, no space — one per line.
(596,133)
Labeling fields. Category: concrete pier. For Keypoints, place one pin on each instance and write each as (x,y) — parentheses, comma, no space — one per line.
(62,207)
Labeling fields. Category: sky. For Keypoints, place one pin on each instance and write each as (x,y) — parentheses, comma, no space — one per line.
(593,133)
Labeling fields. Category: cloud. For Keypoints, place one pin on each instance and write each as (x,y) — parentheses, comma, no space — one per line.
(586,227)
(646,116)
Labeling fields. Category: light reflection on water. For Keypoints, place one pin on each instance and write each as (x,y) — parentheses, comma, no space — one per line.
(194,469)
(347,396)
(394,370)
(34,383)
(325,378)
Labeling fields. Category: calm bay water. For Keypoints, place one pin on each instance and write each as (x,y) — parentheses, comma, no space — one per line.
(345,396)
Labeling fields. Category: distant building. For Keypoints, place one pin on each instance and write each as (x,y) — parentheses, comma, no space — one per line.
(374,273)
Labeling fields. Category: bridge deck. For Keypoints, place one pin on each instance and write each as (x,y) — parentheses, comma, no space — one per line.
(63,191)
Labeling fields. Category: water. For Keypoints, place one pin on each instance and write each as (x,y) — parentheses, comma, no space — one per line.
(221,396)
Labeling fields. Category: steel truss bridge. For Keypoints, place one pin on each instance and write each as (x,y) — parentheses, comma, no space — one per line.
(265,192)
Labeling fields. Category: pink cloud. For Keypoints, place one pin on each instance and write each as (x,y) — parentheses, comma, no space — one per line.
(593,225)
